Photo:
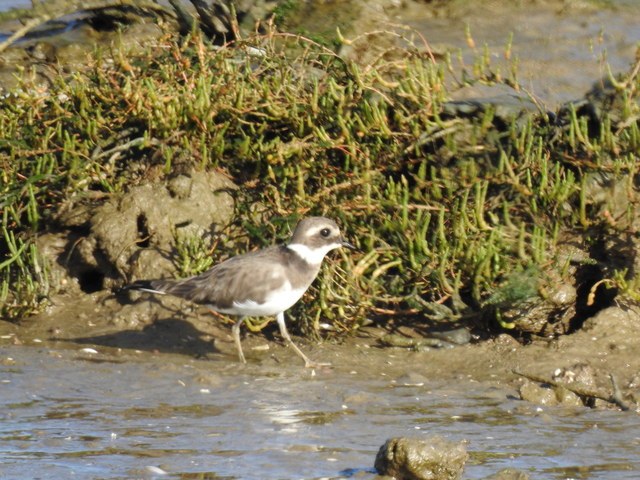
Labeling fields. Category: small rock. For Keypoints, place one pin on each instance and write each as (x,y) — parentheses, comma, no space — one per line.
(43,52)
(458,336)
(581,373)
(412,379)
(567,398)
(534,393)
(421,459)
(7,361)
(508,474)
(563,294)
(153,470)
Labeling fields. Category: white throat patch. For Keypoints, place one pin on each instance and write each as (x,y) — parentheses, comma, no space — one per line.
(312,256)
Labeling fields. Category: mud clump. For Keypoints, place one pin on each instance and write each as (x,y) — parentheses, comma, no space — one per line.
(508,474)
(605,376)
(133,235)
(421,459)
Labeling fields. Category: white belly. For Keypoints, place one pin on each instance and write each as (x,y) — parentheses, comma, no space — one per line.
(277,302)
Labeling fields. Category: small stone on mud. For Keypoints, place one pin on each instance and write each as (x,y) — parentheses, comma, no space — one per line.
(568,398)
(508,474)
(155,470)
(54,331)
(505,340)
(411,379)
(457,336)
(210,379)
(564,294)
(534,393)
(261,348)
(7,362)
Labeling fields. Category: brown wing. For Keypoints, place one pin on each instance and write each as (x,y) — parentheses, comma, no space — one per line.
(248,277)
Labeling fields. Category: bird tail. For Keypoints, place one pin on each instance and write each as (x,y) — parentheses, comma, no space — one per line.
(151,286)
(192,288)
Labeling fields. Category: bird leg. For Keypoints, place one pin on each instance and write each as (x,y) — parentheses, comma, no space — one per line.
(235,331)
(285,334)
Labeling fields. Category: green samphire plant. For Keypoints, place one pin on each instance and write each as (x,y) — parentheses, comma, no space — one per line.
(444,209)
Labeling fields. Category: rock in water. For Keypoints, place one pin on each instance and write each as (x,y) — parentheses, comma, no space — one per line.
(421,459)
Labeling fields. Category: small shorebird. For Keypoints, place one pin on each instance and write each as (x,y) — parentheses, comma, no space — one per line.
(262,283)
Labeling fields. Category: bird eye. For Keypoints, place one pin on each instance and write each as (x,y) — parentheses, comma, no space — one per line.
(325,232)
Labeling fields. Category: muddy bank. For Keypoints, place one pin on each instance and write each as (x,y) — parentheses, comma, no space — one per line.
(606,343)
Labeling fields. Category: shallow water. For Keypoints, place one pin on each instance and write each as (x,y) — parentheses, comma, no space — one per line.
(9,4)
(69,414)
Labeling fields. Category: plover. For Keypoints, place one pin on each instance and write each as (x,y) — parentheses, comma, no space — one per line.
(263,283)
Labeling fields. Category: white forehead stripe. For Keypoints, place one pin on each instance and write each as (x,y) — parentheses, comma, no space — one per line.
(312,256)
(312,231)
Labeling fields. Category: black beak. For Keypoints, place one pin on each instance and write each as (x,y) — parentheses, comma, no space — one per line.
(346,244)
